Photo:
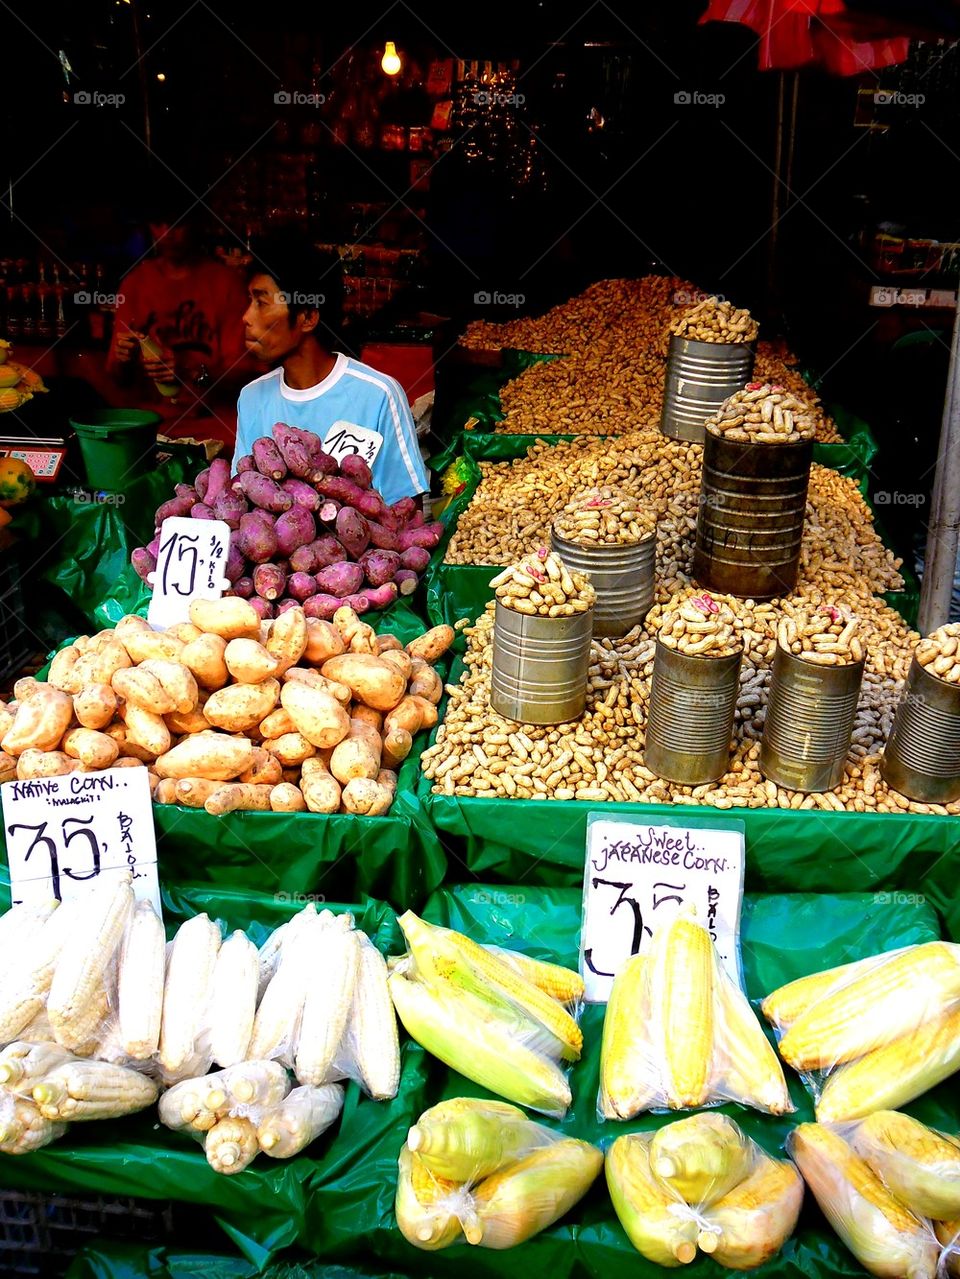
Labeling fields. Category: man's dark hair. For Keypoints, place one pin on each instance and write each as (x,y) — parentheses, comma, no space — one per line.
(308,277)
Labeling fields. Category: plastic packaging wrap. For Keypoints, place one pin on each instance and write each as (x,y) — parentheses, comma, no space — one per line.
(917,1164)
(678,1033)
(875,1034)
(481,1171)
(506,1024)
(700,1183)
(369,1049)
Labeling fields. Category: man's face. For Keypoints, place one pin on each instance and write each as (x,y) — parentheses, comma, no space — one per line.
(268,331)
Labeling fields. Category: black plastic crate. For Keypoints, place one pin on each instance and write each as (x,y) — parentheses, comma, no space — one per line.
(41,1234)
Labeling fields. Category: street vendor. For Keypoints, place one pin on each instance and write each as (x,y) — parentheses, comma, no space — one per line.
(291,323)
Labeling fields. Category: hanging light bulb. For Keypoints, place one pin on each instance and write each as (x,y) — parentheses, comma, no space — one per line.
(390,62)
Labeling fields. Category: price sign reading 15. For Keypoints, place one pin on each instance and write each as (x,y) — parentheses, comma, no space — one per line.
(191,563)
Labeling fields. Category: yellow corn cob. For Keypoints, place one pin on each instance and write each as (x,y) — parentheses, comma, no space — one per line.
(884,1236)
(78,980)
(23,1129)
(628,1071)
(751,1071)
(892,1075)
(233,1000)
(948,1233)
(300,1118)
(754,1220)
(186,990)
(447,958)
(23,1064)
(140,989)
(82,1090)
(467,1035)
(645,1210)
(431,1222)
(893,997)
(562,984)
(373,1033)
(524,1198)
(783,1006)
(231,1145)
(251,1083)
(920,1166)
(29,969)
(466,1139)
(701,1158)
(682,984)
(334,966)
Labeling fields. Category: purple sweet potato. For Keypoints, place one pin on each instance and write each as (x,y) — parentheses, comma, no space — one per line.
(243,587)
(406,581)
(261,606)
(154,547)
(176,506)
(416,520)
(379,566)
(264,492)
(427,537)
(229,507)
(323,463)
(322,606)
(390,521)
(342,578)
(143,562)
(382,597)
(303,494)
(359,603)
(301,585)
(219,479)
(268,459)
(269,581)
(341,490)
(246,463)
(328,510)
(295,528)
(304,560)
(297,459)
(187,490)
(416,558)
(383,538)
(236,562)
(372,505)
(405,509)
(355,468)
(297,438)
(353,531)
(255,539)
(200,484)
(200,511)
(284,606)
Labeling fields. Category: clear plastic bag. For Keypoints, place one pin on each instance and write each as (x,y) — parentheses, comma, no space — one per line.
(917,1164)
(369,1048)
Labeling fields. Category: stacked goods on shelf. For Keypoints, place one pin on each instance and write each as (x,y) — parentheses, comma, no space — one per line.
(679,1033)
(700,1183)
(481,1171)
(875,1034)
(502,1020)
(230,712)
(305,530)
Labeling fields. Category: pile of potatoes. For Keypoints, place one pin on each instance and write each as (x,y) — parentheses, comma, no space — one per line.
(228,712)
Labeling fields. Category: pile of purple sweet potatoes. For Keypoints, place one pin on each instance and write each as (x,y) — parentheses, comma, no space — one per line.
(305,530)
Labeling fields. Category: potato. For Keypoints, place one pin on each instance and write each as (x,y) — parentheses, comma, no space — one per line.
(137,687)
(186,632)
(238,796)
(425,682)
(62,673)
(204,658)
(24,688)
(287,640)
(407,715)
(8,713)
(144,645)
(127,761)
(358,755)
(320,790)
(265,768)
(432,644)
(128,748)
(428,711)
(177,680)
(153,780)
(240,707)
(8,767)
(290,749)
(303,675)
(277,723)
(318,716)
(349,625)
(357,710)
(366,797)
(99,666)
(165,791)
(193,792)
(36,763)
(388,644)
(230,617)
(397,745)
(401,660)
(249,662)
(373,680)
(287,798)
(95,705)
(39,723)
(145,729)
(210,755)
(192,722)
(131,623)
(94,750)
(323,641)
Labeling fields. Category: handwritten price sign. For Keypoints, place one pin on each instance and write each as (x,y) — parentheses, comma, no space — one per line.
(638,875)
(64,833)
(190,566)
(345,438)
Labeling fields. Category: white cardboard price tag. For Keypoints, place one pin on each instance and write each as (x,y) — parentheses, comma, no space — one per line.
(66,833)
(190,566)
(639,873)
(345,438)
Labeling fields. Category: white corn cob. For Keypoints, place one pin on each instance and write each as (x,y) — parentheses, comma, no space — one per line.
(187,988)
(277,1023)
(233,1001)
(39,1030)
(300,1118)
(268,958)
(140,993)
(82,1090)
(22,1127)
(23,1064)
(19,922)
(333,977)
(193,1067)
(74,1005)
(184,1105)
(252,1083)
(109,1046)
(28,972)
(231,1145)
(372,1028)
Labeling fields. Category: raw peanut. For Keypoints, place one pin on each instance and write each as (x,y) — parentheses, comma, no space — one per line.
(604,516)
(765,413)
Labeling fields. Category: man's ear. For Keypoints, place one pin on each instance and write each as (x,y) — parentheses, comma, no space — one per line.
(309,320)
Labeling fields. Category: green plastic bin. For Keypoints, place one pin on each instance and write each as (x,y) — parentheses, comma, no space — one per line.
(116,445)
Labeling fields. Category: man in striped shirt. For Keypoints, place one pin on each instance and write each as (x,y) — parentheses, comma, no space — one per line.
(290,323)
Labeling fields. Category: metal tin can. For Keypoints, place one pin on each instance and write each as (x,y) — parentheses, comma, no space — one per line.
(540,666)
(753,500)
(810,715)
(922,756)
(699,377)
(692,701)
(622,576)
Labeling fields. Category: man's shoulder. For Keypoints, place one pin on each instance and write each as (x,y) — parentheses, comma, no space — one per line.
(263,385)
(388,387)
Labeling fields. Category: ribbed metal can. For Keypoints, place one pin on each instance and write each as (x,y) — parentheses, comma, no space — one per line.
(540,666)
(622,576)
(699,377)
(922,756)
(753,500)
(692,701)
(810,715)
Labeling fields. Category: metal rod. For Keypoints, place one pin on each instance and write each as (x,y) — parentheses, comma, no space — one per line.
(940,561)
(776,197)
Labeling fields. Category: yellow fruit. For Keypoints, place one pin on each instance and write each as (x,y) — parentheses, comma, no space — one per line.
(465,1139)
(4,350)
(9,375)
(628,1073)
(920,1166)
(526,1197)
(682,988)
(17,481)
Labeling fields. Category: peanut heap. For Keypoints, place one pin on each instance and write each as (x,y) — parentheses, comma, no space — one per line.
(540,585)
(763,414)
(714,321)
(825,636)
(701,626)
(939,653)
(604,516)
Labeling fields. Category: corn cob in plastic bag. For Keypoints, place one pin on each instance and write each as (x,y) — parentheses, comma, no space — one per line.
(701,1184)
(369,1047)
(679,1034)
(22,1128)
(917,1164)
(300,1118)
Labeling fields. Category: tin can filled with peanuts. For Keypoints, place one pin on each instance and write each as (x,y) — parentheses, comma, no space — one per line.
(922,756)
(710,356)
